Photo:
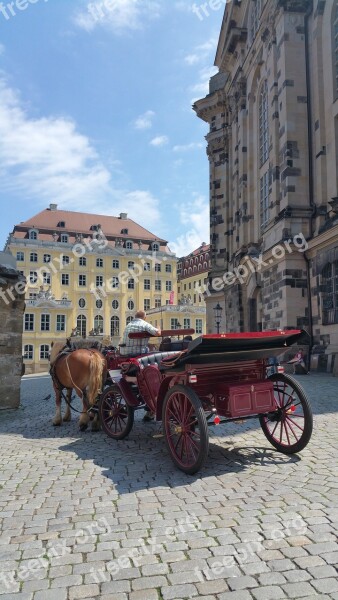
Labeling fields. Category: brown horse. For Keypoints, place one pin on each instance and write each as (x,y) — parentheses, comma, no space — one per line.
(83,370)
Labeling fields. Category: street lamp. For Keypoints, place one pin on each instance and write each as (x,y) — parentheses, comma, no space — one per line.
(218,315)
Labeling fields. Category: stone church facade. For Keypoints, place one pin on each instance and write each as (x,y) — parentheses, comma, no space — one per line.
(273,150)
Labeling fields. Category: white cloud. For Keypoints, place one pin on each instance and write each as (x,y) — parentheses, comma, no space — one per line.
(48,160)
(2,49)
(117,15)
(187,147)
(202,87)
(145,121)
(160,140)
(194,214)
(202,53)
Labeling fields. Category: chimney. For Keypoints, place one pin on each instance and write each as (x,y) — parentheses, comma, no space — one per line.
(53,207)
(123,215)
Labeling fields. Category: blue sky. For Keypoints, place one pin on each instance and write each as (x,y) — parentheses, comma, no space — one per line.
(95,112)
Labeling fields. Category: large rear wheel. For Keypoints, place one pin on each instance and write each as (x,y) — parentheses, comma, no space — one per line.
(289,428)
(185,428)
(116,416)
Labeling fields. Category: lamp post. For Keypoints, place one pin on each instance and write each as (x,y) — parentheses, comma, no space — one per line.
(218,315)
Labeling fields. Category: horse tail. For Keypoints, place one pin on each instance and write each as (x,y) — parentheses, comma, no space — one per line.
(97,365)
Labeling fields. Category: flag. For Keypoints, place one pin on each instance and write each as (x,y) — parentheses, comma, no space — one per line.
(171,297)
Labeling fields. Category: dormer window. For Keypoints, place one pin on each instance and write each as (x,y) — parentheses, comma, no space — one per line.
(129,245)
(33,234)
(64,238)
(155,247)
(61,224)
(124,231)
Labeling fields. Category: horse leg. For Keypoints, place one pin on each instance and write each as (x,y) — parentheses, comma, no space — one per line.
(96,423)
(68,413)
(84,417)
(58,416)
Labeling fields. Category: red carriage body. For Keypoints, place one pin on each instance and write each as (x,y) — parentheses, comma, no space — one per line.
(216,379)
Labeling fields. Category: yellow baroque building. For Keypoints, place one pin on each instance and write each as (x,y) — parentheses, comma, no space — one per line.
(87,275)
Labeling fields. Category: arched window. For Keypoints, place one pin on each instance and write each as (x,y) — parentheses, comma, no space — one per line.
(114,326)
(155,247)
(98,324)
(335,48)
(81,325)
(263,124)
(129,320)
(256,9)
(44,352)
(330,293)
(33,234)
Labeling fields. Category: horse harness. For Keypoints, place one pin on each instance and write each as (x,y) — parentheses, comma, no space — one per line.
(66,351)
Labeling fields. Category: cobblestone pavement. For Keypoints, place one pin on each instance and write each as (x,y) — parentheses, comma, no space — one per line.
(84,516)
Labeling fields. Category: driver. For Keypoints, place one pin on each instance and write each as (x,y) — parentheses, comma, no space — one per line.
(135,347)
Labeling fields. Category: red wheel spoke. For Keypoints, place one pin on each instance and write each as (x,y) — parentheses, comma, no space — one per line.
(294,423)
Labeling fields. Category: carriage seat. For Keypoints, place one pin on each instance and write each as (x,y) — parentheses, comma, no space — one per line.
(155,359)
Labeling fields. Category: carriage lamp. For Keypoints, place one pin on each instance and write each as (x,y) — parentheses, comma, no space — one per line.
(218,315)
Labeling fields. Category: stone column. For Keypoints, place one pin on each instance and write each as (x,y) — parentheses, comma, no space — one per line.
(12,306)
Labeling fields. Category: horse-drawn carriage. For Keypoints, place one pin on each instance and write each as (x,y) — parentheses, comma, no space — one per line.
(216,379)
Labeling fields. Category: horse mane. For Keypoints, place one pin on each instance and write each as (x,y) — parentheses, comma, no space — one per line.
(83,343)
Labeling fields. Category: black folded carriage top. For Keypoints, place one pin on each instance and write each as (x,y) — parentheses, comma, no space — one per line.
(232,347)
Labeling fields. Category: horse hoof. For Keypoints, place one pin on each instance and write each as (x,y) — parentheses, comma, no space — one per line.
(83,427)
(57,423)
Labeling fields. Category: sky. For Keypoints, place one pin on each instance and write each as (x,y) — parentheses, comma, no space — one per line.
(96,111)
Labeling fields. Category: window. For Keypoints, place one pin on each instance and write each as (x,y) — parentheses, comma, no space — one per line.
(114,282)
(33,276)
(33,296)
(199,326)
(256,9)
(263,124)
(116,264)
(33,235)
(129,320)
(146,284)
(335,48)
(60,322)
(29,322)
(129,245)
(158,267)
(28,352)
(33,257)
(115,304)
(146,304)
(158,285)
(99,303)
(82,261)
(131,305)
(98,323)
(158,302)
(20,256)
(168,286)
(168,269)
(46,278)
(64,238)
(146,266)
(131,284)
(99,263)
(82,280)
(264,199)
(45,322)
(131,264)
(99,280)
(65,259)
(330,293)
(114,326)
(186,323)
(174,323)
(47,258)
(82,303)
(155,247)
(81,325)
(44,352)
(65,279)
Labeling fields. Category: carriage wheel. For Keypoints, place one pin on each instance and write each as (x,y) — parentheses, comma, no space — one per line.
(185,428)
(116,416)
(289,428)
